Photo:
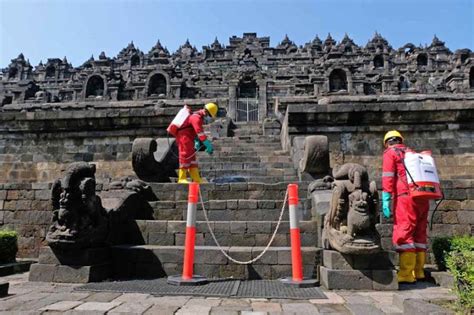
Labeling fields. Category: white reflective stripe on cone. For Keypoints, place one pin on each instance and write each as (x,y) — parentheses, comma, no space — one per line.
(191,215)
(294,222)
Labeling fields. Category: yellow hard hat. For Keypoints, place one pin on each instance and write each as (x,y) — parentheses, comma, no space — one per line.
(212,109)
(392,134)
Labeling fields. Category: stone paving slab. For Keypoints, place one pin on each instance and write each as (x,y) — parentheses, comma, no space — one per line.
(49,298)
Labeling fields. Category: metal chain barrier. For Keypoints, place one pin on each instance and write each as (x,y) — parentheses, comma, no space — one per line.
(265,249)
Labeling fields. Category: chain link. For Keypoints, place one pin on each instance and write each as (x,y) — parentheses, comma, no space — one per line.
(223,251)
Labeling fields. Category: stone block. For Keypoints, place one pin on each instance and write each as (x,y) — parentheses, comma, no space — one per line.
(217,204)
(320,200)
(284,256)
(385,230)
(345,279)
(241,253)
(160,239)
(259,227)
(335,260)
(42,195)
(232,204)
(442,278)
(379,261)
(156,226)
(243,240)
(248,204)
(361,308)
(266,204)
(81,274)
(238,227)
(81,257)
(4,289)
(176,227)
(269,258)
(209,255)
(238,186)
(384,280)
(42,272)
(421,307)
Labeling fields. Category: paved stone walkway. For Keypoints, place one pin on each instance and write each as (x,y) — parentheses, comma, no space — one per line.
(46,298)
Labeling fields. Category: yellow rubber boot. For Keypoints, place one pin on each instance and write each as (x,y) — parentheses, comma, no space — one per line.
(194,173)
(182,176)
(420,264)
(407,267)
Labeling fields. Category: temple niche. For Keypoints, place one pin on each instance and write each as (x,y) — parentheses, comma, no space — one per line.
(422,60)
(248,88)
(337,80)
(471,78)
(31,90)
(187,91)
(232,72)
(50,72)
(135,61)
(12,72)
(378,61)
(157,85)
(95,87)
(403,84)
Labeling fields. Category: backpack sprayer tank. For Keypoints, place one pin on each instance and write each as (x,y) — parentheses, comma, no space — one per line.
(422,176)
(178,120)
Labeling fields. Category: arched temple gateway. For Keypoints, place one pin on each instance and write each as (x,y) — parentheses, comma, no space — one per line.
(315,69)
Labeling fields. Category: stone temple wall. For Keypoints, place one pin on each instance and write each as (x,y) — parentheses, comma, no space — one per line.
(54,114)
(355,128)
(247,68)
(38,142)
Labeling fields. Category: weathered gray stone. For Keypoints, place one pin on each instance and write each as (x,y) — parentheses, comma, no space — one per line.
(4,289)
(417,306)
(346,279)
(384,280)
(364,309)
(78,257)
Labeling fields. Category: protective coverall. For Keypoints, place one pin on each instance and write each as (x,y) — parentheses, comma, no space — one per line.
(410,215)
(189,130)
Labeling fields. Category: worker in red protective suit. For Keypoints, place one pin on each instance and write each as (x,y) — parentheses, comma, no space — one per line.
(191,130)
(410,216)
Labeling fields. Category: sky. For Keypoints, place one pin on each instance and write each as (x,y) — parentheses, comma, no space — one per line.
(77,29)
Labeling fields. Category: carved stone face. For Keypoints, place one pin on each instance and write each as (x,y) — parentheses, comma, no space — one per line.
(358,202)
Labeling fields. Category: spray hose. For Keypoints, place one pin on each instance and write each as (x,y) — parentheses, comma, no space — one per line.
(248,262)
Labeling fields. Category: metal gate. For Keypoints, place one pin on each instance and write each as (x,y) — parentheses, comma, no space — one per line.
(247,109)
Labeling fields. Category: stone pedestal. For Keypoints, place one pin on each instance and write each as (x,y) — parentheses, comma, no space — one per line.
(71,266)
(358,272)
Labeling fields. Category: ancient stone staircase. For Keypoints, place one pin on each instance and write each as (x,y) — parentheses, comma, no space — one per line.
(243,216)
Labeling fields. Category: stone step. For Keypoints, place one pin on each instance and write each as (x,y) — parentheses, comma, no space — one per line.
(228,233)
(230,210)
(230,191)
(248,173)
(243,165)
(249,139)
(153,261)
(237,159)
(263,153)
(244,143)
(246,140)
(253,149)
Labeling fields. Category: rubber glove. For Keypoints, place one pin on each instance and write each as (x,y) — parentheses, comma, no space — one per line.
(208,145)
(386,204)
(197,144)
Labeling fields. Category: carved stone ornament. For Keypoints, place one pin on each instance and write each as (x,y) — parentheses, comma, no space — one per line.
(349,226)
(79,220)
